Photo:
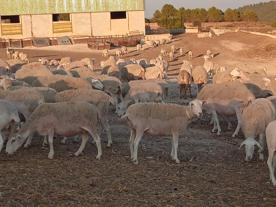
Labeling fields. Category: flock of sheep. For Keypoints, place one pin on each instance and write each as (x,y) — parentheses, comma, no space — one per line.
(65,98)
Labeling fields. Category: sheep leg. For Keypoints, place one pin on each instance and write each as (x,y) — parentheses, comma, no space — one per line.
(1,142)
(83,144)
(175,146)
(271,166)
(138,137)
(238,113)
(97,139)
(63,141)
(28,142)
(51,145)
(262,143)
(108,131)
(45,142)
(216,121)
(131,142)
(173,151)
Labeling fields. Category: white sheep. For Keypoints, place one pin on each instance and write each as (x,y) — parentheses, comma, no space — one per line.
(43,61)
(8,114)
(141,91)
(173,49)
(181,51)
(124,50)
(190,54)
(255,119)
(171,56)
(225,99)
(139,47)
(15,55)
(64,119)
(184,80)
(118,53)
(98,98)
(23,57)
(105,53)
(161,120)
(271,145)
(187,66)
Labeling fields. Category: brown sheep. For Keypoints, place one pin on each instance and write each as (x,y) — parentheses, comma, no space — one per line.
(184,80)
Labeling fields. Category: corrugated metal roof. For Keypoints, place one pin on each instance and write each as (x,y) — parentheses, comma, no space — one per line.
(12,7)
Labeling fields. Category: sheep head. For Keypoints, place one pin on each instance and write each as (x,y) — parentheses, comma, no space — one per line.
(196,107)
(14,144)
(249,144)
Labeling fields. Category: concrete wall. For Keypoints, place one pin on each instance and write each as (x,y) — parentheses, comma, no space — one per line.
(42,25)
(81,24)
(101,23)
(119,26)
(137,21)
(26,21)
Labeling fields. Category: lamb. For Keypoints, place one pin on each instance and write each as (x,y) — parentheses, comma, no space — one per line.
(141,91)
(43,61)
(255,119)
(159,119)
(105,53)
(15,55)
(184,80)
(271,145)
(53,63)
(64,119)
(8,114)
(225,99)
(23,57)
(124,50)
(118,53)
(139,47)
(98,98)
(64,62)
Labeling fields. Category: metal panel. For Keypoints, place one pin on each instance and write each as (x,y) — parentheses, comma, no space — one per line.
(17,7)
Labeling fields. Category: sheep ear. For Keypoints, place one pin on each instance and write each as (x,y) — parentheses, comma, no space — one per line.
(258,145)
(243,143)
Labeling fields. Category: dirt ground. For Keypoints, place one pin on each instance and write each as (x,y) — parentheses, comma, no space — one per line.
(212,171)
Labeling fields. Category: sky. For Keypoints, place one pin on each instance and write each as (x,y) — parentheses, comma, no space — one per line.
(153,5)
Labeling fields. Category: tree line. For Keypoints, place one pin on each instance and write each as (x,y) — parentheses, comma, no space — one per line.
(171,17)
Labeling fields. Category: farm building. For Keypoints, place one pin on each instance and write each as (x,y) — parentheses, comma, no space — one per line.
(56,18)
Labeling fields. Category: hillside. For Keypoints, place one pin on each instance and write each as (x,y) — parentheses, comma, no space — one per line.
(266,11)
